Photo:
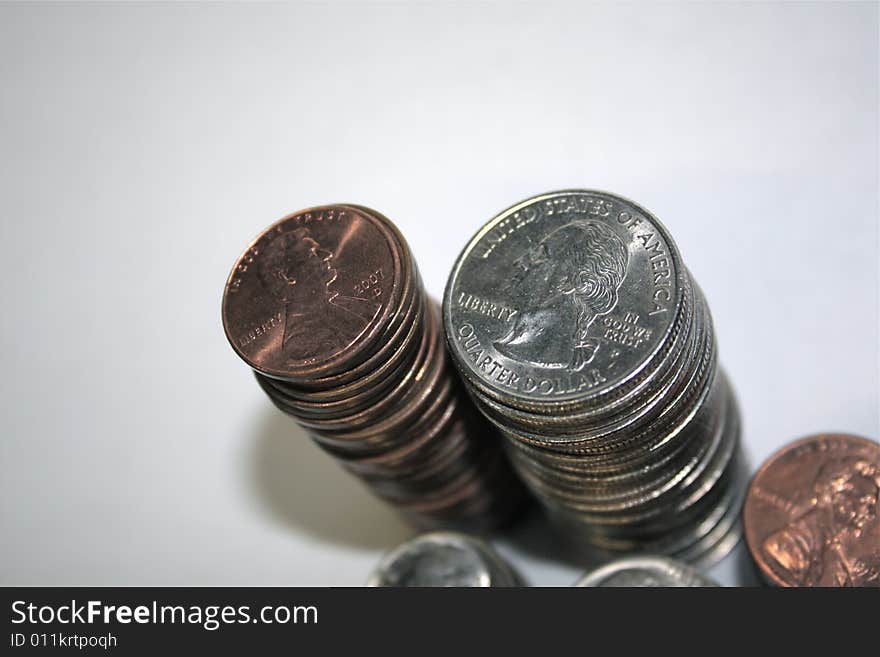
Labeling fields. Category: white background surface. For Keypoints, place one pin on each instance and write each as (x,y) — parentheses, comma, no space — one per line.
(144,146)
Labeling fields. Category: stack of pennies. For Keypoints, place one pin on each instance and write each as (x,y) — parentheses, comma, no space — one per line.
(583,338)
(327,307)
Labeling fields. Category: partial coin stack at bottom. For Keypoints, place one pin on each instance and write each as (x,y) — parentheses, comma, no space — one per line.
(583,338)
(444,559)
(644,572)
(328,309)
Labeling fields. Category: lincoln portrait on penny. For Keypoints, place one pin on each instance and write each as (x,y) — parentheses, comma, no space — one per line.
(824,542)
(561,285)
(318,321)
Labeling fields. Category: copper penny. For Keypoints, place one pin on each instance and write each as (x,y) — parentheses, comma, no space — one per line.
(812,513)
(304,295)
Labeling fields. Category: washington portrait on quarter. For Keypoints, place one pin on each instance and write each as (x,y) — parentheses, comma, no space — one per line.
(565,281)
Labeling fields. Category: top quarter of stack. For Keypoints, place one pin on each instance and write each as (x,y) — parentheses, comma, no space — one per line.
(564,300)
(338,270)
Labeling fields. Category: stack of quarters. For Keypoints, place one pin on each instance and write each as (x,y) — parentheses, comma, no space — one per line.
(583,338)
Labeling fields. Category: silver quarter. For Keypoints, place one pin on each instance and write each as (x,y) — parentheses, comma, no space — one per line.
(563,297)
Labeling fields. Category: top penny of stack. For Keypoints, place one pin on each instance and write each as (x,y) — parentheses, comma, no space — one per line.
(290,266)
(812,513)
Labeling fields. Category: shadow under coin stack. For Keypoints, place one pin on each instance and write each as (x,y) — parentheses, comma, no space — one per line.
(328,309)
(582,336)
